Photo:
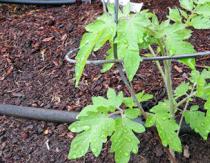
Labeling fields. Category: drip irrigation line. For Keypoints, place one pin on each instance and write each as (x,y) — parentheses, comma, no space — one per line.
(158,58)
(49,115)
(58,116)
(39,2)
(38,113)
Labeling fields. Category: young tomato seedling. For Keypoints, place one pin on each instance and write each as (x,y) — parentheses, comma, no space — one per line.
(114,118)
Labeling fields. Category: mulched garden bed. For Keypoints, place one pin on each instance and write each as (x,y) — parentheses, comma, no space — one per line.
(33,43)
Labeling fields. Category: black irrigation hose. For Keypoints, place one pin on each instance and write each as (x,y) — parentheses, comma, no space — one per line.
(39,2)
(51,115)
(38,113)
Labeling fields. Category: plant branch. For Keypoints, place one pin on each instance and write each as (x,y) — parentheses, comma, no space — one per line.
(185,99)
(182,117)
(115,113)
(185,108)
(168,85)
(157,63)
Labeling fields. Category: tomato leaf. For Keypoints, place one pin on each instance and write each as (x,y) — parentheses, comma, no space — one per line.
(166,126)
(94,131)
(124,141)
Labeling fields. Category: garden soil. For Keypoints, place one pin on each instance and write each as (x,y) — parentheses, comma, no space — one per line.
(33,72)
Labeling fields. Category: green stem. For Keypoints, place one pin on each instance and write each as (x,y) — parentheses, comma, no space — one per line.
(168,79)
(158,64)
(168,84)
(185,99)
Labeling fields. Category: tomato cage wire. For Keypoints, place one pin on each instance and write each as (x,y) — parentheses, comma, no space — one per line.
(156,58)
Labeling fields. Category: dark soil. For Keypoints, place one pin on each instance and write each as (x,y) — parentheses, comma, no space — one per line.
(33,72)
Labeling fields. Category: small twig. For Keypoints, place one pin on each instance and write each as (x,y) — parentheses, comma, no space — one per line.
(158,64)
(185,99)
(202,59)
(182,117)
(202,66)
(185,109)
(115,113)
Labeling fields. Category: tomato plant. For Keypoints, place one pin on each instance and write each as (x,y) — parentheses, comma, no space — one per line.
(127,34)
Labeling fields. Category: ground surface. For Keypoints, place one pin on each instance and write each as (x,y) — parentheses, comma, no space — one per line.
(33,72)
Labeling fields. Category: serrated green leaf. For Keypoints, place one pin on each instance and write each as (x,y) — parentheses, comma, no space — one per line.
(108,30)
(166,126)
(115,99)
(187,4)
(87,44)
(174,15)
(132,113)
(203,9)
(124,141)
(95,129)
(134,126)
(99,32)
(174,36)
(176,47)
(87,109)
(150,121)
(205,74)
(103,105)
(131,63)
(194,108)
(141,96)
(129,30)
(201,1)
(129,34)
(200,22)
(200,81)
(181,89)
(198,122)
(79,146)
(107,67)
(190,62)
(155,19)
(207,104)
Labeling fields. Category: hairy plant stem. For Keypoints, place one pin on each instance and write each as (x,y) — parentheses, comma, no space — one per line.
(168,84)
(167,80)
(157,63)
(169,89)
